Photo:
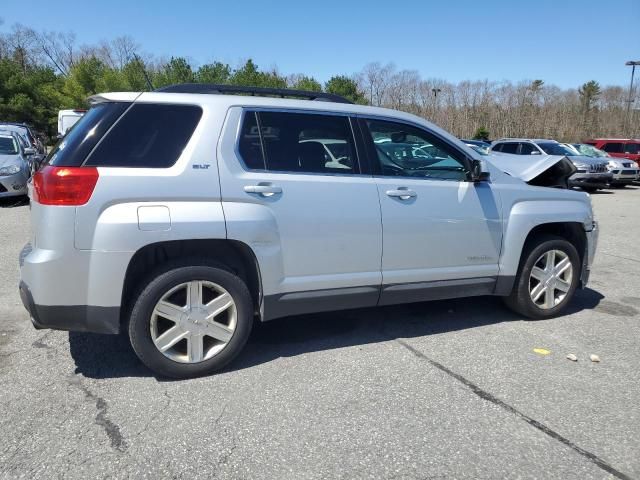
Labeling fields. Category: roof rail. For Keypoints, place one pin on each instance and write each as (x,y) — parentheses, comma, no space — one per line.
(209,88)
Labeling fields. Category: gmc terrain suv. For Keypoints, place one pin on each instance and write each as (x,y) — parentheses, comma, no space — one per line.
(181,215)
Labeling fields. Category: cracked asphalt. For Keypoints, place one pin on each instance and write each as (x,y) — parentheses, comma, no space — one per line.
(448,389)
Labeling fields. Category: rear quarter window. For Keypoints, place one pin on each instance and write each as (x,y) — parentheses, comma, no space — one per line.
(74,147)
(147,136)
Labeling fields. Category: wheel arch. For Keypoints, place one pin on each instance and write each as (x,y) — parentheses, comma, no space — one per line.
(232,255)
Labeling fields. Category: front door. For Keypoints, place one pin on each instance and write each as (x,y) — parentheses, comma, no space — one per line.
(441,233)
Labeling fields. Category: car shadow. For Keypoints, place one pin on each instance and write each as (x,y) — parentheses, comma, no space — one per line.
(11,202)
(111,356)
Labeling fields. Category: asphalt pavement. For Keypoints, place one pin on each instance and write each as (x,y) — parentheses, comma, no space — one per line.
(437,390)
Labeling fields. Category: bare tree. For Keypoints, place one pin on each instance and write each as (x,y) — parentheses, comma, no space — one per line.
(58,49)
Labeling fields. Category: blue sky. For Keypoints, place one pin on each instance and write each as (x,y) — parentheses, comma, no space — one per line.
(563,42)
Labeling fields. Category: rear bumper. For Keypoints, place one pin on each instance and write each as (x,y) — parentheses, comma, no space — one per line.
(54,289)
(77,318)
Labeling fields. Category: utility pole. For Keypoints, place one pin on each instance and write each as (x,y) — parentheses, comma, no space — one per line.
(435,91)
(631,64)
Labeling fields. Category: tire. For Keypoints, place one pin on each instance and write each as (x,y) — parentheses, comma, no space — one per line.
(181,360)
(520,300)
(590,189)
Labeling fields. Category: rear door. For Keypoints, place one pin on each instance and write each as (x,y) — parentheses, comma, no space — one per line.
(441,233)
(312,217)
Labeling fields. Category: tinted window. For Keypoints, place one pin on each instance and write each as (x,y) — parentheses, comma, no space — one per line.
(250,147)
(300,142)
(8,146)
(74,147)
(633,148)
(527,149)
(149,135)
(404,150)
(556,149)
(613,147)
(509,148)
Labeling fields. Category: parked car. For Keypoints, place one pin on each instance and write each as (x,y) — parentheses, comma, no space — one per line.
(14,167)
(591,174)
(618,147)
(34,147)
(482,151)
(67,119)
(624,171)
(479,144)
(185,225)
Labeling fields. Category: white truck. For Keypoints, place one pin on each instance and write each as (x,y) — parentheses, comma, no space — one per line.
(67,119)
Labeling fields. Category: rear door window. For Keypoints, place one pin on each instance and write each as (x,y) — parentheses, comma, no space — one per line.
(633,148)
(613,147)
(298,143)
(148,136)
(74,147)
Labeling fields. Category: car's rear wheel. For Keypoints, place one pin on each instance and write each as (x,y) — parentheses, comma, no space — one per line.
(190,320)
(547,278)
(590,189)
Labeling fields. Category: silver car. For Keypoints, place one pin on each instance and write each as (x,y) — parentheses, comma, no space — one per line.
(15,169)
(179,216)
(624,171)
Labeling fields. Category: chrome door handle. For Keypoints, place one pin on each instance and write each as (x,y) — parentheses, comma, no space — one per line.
(264,190)
(402,193)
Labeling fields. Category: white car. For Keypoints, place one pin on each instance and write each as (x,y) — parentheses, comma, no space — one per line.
(67,119)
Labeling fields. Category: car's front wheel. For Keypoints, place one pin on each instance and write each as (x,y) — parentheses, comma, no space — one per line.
(190,320)
(547,278)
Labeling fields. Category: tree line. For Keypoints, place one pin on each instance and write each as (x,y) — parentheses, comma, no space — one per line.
(43,72)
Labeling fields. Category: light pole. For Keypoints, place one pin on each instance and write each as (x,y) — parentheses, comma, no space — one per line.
(631,64)
(436,91)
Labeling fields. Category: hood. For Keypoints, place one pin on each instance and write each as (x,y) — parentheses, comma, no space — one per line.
(581,159)
(541,170)
(6,160)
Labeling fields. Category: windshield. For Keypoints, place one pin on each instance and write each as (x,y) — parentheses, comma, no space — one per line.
(590,150)
(8,146)
(556,149)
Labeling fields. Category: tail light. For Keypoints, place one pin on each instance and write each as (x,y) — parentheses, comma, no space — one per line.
(64,185)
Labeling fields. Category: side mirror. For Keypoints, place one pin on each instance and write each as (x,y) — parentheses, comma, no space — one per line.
(477,175)
(29,151)
(535,152)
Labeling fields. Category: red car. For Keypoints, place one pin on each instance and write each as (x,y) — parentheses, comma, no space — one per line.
(618,147)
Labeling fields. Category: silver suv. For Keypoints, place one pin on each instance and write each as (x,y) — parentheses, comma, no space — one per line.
(180,215)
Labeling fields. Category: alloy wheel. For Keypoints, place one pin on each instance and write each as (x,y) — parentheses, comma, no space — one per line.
(193,321)
(550,279)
